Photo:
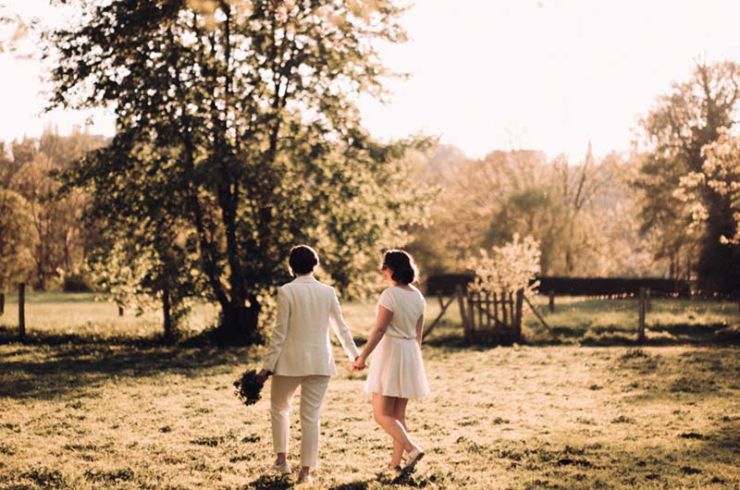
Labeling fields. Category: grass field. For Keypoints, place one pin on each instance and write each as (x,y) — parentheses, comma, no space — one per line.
(83,405)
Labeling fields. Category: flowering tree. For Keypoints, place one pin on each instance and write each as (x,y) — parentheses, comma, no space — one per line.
(721,173)
(681,124)
(510,267)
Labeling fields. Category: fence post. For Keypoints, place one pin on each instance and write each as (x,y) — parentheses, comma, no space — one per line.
(461,304)
(504,311)
(642,310)
(551,303)
(648,301)
(480,311)
(470,325)
(518,324)
(2,303)
(489,323)
(495,307)
(22,310)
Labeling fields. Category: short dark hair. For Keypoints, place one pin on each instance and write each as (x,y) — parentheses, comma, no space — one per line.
(402,264)
(303,259)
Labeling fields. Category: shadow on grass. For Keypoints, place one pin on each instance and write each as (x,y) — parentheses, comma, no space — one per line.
(355,485)
(696,461)
(66,363)
(270,482)
(705,335)
(663,335)
(694,373)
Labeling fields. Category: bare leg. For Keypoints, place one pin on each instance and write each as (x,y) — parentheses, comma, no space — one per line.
(383,412)
(399,413)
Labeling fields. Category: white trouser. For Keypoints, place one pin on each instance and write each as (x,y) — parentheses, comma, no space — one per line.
(313,389)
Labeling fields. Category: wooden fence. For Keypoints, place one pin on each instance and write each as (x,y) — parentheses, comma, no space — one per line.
(445,284)
(493,317)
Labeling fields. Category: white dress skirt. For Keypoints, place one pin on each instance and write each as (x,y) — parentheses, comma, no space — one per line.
(397,369)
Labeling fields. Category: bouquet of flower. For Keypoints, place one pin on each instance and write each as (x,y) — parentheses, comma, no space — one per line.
(248,387)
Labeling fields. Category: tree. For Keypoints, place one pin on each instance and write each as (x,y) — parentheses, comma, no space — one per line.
(13,30)
(677,128)
(60,249)
(720,173)
(17,240)
(509,267)
(582,225)
(237,118)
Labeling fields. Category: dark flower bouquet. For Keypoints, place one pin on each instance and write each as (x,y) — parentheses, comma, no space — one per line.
(248,387)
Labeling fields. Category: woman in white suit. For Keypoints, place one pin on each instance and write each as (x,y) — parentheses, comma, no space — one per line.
(300,354)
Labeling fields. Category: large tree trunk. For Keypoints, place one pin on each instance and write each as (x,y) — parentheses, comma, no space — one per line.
(239,324)
(719,263)
(169,326)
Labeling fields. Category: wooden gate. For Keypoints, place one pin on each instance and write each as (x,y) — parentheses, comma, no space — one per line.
(493,317)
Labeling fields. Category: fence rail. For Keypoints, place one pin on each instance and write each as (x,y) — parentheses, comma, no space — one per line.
(445,285)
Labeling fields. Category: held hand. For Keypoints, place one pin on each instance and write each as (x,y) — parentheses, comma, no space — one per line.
(359,364)
(263,375)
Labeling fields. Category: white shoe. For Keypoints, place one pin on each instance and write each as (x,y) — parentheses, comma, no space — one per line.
(304,479)
(283,469)
(415,456)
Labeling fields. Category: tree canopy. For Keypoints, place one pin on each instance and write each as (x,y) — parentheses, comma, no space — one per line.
(237,137)
(680,125)
(17,240)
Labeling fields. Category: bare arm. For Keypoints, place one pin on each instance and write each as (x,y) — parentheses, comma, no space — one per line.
(341,330)
(419,329)
(381,325)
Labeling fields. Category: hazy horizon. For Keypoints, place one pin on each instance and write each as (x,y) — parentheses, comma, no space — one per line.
(556,75)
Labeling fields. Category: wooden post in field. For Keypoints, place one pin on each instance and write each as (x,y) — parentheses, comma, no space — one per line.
(470,325)
(489,319)
(2,303)
(551,303)
(518,315)
(120,310)
(504,310)
(461,304)
(169,331)
(22,310)
(479,304)
(648,302)
(642,310)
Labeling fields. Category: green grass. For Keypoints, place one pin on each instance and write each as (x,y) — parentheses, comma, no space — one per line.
(121,416)
(109,414)
(575,320)
(594,320)
(80,314)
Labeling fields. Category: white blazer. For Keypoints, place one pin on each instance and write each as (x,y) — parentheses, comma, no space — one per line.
(299,345)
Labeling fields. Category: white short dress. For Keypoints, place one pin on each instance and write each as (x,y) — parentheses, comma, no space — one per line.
(396,366)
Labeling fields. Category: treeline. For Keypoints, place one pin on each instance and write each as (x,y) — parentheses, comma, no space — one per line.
(668,208)
(43,241)
(583,214)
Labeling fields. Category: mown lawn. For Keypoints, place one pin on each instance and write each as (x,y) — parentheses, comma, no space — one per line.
(78,411)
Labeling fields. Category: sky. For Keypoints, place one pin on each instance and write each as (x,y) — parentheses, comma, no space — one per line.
(551,75)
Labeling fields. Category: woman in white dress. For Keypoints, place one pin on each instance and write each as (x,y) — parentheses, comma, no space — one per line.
(397,369)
